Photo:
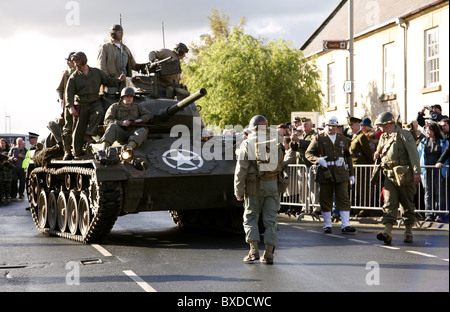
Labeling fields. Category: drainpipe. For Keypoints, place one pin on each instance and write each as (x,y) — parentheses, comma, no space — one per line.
(404,24)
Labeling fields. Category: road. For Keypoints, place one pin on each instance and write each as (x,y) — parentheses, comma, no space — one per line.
(148,252)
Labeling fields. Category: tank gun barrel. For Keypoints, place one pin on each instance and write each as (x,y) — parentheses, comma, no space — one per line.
(171,111)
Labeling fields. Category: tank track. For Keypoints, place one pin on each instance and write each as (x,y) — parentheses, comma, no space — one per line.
(101,202)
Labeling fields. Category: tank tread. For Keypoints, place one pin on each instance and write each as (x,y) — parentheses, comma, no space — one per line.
(104,209)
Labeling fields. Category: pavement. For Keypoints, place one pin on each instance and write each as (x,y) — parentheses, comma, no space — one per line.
(363,221)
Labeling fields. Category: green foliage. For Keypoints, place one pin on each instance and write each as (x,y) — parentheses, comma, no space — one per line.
(245,77)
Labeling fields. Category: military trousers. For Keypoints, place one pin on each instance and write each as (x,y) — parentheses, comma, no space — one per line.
(114,132)
(395,196)
(267,202)
(340,191)
(89,117)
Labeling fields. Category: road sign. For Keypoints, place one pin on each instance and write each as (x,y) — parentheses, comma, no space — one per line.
(335,44)
(348,86)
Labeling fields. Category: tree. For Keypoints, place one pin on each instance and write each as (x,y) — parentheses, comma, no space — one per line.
(244,76)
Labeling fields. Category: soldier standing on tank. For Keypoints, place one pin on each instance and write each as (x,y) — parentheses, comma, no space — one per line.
(257,186)
(123,120)
(399,159)
(83,100)
(171,70)
(330,151)
(115,58)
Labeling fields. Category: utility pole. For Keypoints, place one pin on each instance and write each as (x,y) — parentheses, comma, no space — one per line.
(350,49)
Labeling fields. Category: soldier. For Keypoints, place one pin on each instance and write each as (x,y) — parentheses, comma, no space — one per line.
(400,162)
(114,57)
(83,100)
(330,150)
(124,119)
(256,182)
(171,70)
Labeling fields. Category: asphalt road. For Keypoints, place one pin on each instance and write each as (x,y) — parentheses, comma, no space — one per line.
(147,252)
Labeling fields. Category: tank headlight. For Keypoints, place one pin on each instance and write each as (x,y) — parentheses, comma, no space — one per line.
(127,155)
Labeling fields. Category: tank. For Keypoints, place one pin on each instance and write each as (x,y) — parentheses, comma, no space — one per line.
(173,170)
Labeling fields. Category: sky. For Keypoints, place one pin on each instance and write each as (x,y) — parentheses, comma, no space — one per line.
(37,36)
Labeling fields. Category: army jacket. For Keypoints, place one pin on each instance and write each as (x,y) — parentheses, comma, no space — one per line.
(360,149)
(334,152)
(171,69)
(108,59)
(302,145)
(398,149)
(84,89)
(117,113)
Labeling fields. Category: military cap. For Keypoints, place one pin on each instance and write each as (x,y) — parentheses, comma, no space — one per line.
(354,120)
(333,121)
(33,135)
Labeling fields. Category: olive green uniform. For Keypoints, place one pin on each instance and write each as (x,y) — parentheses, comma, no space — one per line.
(117,114)
(339,166)
(82,91)
(260,192)
(399,150)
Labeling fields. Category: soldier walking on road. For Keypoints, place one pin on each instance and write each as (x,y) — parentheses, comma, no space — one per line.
(399,159)
(259,164)
(330,151)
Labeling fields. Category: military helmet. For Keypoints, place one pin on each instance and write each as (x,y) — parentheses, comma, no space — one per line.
(127,91)
(257,120)
(81,56)
(115,28)
(385,118)
(181,47)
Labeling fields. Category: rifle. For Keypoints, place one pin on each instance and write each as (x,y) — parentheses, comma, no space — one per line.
(150,65)
(375,177)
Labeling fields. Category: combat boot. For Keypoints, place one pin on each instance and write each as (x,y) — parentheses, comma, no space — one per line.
(267,257)
(67,143)
(253,254)
(408,238)
(386,235)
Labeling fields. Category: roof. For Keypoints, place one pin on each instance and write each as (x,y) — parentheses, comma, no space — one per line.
(368,15)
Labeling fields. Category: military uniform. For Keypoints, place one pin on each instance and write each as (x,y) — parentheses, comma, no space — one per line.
(260,191)
(114,117)
(83,92)
(333,179)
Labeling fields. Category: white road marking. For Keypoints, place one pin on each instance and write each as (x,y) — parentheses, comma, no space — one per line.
(358,241)
(334,235)
(144,285)
(388,247)
(421,254)
(102,250)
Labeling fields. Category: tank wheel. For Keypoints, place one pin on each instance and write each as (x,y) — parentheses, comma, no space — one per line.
(68,183)
(52,210)
(72,213)
(61,211)
(42,209)
(33,189)
(84,214)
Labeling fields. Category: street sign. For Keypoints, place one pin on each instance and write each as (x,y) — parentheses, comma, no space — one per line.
(348,86)
(335,44)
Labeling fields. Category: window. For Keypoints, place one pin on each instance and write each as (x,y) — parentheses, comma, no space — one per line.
(431,57)
(388,68)
(331,85)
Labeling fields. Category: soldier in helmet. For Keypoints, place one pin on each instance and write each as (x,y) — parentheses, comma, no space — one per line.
(83,100)
(171,69)
(256,182)
(124,120)
(330,151)
(399,159)
(114,57)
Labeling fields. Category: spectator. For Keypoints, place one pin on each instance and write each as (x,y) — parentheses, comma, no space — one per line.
(430,149)
(443,124)
(16,157)
(435,113)
(4,146)
(444,159)
(5,178)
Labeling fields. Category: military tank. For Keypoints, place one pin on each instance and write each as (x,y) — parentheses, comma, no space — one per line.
(173,170)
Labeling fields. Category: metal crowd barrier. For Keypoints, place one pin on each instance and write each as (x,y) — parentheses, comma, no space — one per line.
(431,196)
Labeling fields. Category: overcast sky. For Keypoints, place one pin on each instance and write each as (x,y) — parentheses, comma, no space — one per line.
(36,36)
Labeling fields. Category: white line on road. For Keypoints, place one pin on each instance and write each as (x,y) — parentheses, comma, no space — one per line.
(334,235)
(102,250)
(421,254)
(139,281)
(388,247)
(358,241)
